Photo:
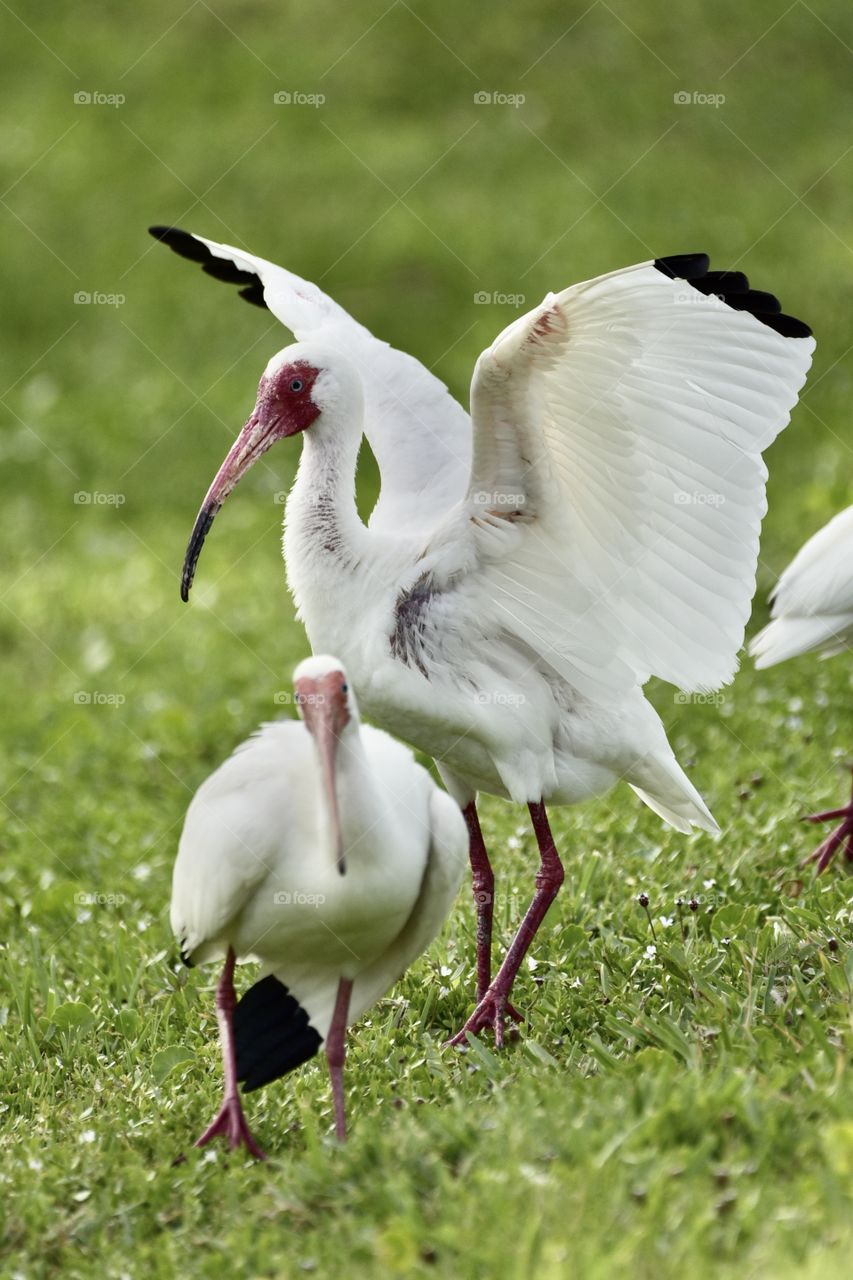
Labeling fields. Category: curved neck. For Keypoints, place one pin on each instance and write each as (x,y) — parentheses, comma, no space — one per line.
(328,551)
(321,505)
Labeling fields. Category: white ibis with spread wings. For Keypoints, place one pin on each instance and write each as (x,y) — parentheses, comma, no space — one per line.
(595,522)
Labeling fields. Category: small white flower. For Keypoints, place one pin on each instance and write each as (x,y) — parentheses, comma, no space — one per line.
(709,884)
(36,1166)
(650,951)
(513,842)
(88,1135)
(665,921)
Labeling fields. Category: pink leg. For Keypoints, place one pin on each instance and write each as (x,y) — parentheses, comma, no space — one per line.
(493,1007)
(336,1053)
(230,1123)
(483,883)
(840,839)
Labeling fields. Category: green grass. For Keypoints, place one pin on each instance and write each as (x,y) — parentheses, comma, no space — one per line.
(682,1112)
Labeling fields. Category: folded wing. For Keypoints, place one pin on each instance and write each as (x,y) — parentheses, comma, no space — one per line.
(447,859)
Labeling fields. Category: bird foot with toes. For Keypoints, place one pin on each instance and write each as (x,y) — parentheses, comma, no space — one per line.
(491,1012)
(839,841)
(231,1124)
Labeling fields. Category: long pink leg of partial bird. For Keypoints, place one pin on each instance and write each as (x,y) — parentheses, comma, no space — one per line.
(230,1123)
(483,885)
(840,838)
(494,1006)
(336,1053)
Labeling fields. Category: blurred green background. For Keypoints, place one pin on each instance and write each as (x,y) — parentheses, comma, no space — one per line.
(404,196)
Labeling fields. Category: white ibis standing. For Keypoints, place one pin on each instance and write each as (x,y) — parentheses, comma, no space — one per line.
(812,611)
(525,572)
(325,851)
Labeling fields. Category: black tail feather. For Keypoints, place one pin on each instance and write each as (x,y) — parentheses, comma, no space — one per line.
(272,1034)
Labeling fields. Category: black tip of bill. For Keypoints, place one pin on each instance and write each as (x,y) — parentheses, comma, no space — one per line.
(204,520)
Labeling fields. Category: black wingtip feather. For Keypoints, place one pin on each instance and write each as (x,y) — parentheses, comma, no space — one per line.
(724,282)
(684,266)
(181,242)
(255,294)
(788,326)
(732,287)
(755,301)
(224,269)
(189,246)
(272,1034)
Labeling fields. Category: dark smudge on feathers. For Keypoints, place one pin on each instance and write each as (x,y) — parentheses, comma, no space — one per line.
(407,638)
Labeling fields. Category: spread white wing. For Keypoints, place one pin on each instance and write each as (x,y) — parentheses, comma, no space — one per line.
(420,435)
(617,485)
(813,601)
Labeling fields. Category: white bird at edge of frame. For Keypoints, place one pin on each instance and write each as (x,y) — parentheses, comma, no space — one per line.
(323,850)
(812,612)
(526,570)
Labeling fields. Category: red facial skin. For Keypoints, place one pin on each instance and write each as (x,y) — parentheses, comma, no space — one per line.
(278,403)
(323,704)
(284,407)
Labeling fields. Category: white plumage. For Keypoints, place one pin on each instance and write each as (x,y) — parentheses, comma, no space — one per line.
(813,611)
(257,871)
(813,599)
(523,575)
(409,412)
